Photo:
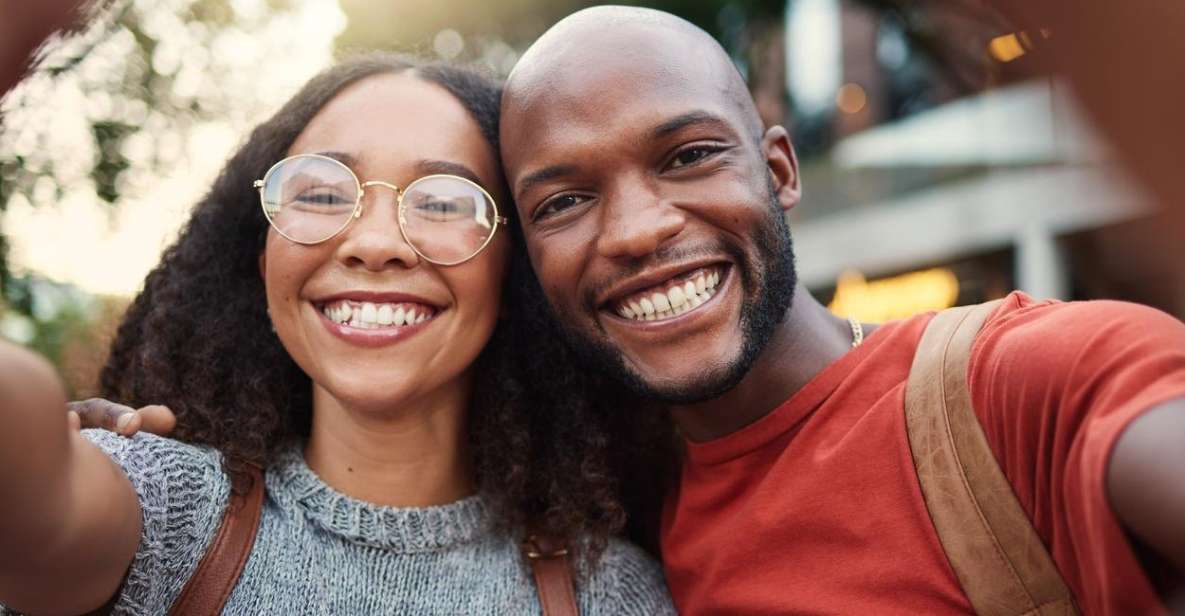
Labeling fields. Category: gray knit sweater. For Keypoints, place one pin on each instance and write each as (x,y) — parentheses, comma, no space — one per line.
(321,552)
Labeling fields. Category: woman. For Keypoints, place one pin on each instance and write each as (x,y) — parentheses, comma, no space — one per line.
(350,338)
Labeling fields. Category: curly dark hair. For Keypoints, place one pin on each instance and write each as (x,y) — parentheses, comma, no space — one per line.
(551,444)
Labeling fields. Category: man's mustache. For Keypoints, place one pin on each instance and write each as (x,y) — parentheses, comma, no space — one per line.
(663,257)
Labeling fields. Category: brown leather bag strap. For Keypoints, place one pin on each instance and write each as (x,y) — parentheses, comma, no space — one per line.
(553,575)
(992,546)
(208,590)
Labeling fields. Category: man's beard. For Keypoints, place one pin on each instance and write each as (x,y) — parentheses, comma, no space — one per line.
(769,284)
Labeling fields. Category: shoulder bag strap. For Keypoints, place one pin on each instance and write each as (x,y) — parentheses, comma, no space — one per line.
(996,554)
(208,590)
(553,575)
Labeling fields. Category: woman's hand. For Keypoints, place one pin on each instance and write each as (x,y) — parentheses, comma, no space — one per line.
(120,419)
(71,518)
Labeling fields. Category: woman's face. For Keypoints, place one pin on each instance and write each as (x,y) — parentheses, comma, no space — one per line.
(394,128)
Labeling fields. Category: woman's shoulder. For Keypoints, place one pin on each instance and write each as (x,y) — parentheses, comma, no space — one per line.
(624,580)
(183,493)
(147,446)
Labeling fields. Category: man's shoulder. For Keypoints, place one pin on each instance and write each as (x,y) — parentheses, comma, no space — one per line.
(1036,332)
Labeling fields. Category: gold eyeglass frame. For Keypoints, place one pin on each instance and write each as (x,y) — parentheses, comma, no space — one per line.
(357,211)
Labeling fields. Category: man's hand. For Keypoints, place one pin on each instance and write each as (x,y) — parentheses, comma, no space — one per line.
(123,420)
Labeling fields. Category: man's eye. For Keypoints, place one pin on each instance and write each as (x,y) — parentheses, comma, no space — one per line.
(558,204)
(692,155)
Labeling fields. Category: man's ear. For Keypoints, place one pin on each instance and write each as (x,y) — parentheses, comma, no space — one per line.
(783,166)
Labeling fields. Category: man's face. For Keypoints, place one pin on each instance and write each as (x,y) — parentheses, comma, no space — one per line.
(653,220)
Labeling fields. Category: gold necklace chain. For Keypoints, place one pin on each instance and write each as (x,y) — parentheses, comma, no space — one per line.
(857,332)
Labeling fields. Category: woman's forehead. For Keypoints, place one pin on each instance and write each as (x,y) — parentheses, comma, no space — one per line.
(388,122)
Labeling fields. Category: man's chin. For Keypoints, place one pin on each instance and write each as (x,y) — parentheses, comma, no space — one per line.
(684,384)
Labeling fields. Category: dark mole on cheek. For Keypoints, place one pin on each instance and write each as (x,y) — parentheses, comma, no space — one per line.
(349,469)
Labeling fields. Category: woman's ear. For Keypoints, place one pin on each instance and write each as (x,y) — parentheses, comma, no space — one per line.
(263,266)
(782,163)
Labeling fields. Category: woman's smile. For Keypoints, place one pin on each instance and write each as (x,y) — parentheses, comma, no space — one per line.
(370,319)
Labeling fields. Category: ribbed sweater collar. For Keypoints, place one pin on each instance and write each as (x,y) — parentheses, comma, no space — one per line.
(294,486)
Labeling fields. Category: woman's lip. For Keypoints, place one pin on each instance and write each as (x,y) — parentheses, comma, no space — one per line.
(372,338)
(376,297)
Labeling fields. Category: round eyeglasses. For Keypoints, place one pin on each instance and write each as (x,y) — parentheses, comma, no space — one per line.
(446,219)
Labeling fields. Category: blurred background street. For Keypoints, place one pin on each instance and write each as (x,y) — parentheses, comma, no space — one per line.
(944,160)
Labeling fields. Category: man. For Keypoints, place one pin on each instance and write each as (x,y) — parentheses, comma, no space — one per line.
(652,203)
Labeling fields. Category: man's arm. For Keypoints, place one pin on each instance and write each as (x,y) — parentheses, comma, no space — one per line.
(1146,480)
(70,524)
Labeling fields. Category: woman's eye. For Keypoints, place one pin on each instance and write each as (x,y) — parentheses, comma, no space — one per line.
(441,210)
(559,204)
(692,155)
(321,197)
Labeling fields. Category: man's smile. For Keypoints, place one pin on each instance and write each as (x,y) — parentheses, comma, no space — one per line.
(675,299)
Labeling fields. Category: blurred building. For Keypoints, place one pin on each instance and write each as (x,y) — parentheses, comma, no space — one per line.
(922,192)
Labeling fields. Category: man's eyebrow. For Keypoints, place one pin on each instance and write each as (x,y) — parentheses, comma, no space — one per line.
(433,167)
(538,177)
(691,118)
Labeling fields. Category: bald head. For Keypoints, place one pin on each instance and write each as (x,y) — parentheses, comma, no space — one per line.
(642,47)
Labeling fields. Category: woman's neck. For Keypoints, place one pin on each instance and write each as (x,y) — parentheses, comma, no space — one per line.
(417,457)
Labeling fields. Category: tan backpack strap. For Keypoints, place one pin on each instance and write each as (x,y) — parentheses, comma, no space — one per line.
(996,554)
(208,590)
(553,574)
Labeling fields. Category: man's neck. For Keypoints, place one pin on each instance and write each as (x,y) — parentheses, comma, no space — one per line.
(808,340)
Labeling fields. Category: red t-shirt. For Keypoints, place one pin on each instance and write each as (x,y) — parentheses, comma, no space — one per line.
(815,508)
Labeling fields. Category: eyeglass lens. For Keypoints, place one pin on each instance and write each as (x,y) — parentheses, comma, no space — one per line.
(309,199)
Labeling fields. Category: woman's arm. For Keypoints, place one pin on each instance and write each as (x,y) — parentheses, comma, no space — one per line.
(70,523)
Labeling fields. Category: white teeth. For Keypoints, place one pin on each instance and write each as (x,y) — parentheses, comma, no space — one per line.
(677,300)
(660,301)
(677,296)
(370,313)
(386,314)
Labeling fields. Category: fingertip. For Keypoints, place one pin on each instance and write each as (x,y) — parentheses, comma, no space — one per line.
(124,425)
(74,420)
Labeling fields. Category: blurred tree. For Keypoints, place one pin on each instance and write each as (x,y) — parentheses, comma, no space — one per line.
(140,93)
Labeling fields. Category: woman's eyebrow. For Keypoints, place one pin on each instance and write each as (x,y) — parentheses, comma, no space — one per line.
(346,159)
(433,167)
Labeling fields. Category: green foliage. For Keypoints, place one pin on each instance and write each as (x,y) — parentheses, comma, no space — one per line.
(111,110)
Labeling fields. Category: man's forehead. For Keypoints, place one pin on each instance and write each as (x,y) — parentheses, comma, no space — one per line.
(618,67)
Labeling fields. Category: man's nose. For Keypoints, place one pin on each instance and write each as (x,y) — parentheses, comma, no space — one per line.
(636,221)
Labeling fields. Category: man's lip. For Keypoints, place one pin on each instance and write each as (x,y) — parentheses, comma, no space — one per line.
(376,297)
(656,331)
(652,278)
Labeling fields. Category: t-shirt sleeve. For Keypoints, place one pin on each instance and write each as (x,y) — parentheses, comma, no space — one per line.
(183,493)
(625,582)
(1054,385)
